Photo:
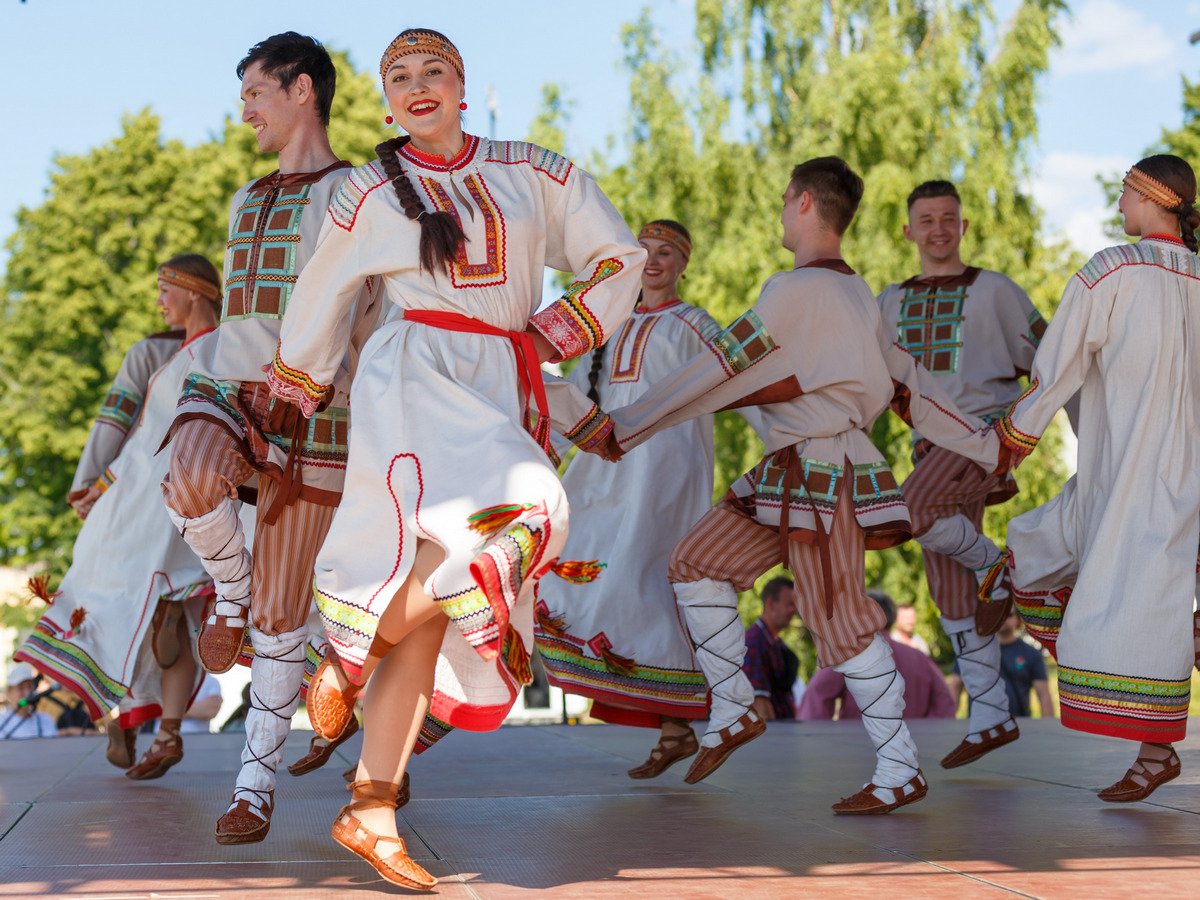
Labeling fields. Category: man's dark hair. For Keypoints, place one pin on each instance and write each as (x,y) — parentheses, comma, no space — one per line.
(887,604)
(929,189)
(287,56)
(836,188)
(776,586)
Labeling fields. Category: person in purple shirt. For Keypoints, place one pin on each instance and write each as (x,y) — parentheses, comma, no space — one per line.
(925,693)
(769,664)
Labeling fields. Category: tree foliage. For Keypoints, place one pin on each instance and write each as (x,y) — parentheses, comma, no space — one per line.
(80,285)
(905,91)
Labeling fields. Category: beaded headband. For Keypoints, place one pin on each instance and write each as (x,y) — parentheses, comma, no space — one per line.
(205,289)
(417,41)
(673,236)
(1152,189)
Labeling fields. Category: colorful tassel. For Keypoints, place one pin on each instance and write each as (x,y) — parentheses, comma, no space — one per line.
(555,626)
(39,588)
(495,519)
(578,571)
(516,657)
(617,664)
(990,580)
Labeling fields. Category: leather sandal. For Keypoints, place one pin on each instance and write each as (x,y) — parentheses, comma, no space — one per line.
(402,796)
(122,745)
(398,867)
(1129,790)
(220,642)
(330,711)
(164,637)
(967,751)
(868,803)
(242,825)
(160,757)
(748,727)
(667,751)
(319,750)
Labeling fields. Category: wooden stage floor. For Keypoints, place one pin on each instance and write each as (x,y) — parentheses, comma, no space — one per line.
(549,812)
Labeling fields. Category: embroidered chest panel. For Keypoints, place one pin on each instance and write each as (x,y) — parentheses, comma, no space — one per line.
(261,253)
(491,269)
(930,326)
(630,348)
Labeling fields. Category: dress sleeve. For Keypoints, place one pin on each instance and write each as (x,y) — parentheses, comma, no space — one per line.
(1077,332)
(318,324)
(1023,325)
(574,416)
(586,236)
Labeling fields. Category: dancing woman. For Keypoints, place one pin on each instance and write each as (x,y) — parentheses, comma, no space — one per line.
(452,509)
(120,613)
(1119,542)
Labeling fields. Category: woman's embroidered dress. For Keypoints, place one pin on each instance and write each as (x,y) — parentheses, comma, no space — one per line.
(440,452)
(1119,542)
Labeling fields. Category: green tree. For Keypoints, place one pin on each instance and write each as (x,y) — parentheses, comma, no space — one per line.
(80,285)
(905,91)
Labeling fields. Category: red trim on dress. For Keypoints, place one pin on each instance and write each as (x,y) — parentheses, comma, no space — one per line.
(439,163)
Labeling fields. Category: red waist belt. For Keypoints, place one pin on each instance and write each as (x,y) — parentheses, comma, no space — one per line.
(529,369)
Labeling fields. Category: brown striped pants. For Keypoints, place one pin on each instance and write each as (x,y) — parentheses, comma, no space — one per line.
(729,545)
(207,466)
(945,484)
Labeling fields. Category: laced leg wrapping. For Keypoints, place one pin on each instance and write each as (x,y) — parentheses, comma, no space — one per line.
(275,676)
(956,537)
(979,666)
(218,539)
(878,689)
(709,609)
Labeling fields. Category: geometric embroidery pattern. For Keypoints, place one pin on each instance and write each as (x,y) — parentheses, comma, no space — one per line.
(120,408)
(567,322)
(261,253)
(930,325)
(629,347)
(464,273)
(743,343)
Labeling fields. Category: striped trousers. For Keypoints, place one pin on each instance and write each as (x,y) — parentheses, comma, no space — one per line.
(728,544)
(207,466)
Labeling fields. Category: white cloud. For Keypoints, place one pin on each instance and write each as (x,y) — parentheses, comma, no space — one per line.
(1108,36)
(1065,186)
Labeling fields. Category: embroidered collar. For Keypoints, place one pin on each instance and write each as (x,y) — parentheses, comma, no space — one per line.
(438,163)
(1159,236)
(295,179)
(964,279)
(838,265)
(197,336)
(670,304)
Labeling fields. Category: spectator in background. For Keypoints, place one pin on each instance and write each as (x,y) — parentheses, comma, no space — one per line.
(21,719)
(769,664)
(925,693)
(1022,667)
(903,631)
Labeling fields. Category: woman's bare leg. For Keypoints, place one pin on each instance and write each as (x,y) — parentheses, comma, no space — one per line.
(179,679)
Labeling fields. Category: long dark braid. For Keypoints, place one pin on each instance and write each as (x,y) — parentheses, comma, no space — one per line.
(441,235)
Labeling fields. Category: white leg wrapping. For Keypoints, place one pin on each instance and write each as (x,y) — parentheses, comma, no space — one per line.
(979,665)
(710,610)
(218,539)
(956,537)
(878,689)
(275,676)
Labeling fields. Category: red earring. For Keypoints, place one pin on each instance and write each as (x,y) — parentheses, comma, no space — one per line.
(389,120)
(463,105)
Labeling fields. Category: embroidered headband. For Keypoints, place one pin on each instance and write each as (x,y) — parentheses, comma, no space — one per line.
(419,41)
(673,236)
(1152,189)
(205,289)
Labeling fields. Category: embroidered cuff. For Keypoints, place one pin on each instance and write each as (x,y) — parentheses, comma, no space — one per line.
(1018,442)
(592,430)
(105,481)
(567,323)
(743,343)
(295,387)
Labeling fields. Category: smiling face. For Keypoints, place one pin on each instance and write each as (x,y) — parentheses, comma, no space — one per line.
(273,112)
(664,265)
(176,303)
(423,93)
(936,226)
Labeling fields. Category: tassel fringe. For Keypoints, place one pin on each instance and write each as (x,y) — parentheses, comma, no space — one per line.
(990,580)
(516,657)
(617,664)
(495,519)
(578,571)
(556,626)
(39,588)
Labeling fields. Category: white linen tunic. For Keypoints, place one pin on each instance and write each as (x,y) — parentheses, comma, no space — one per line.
(127,557)
(618,639)
(438,413)
(1120,540)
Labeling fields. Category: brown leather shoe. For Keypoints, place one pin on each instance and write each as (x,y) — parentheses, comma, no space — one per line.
(1004,733)
(160,757)
(122,745)
(667,752)
(398,867)
(220,643)
(1129,790)
(241,825)
(319,750)
(329,710)
(867,803)
(164,636)
(749,726)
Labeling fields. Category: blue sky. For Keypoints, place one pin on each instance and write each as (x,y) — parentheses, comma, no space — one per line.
(71,68)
